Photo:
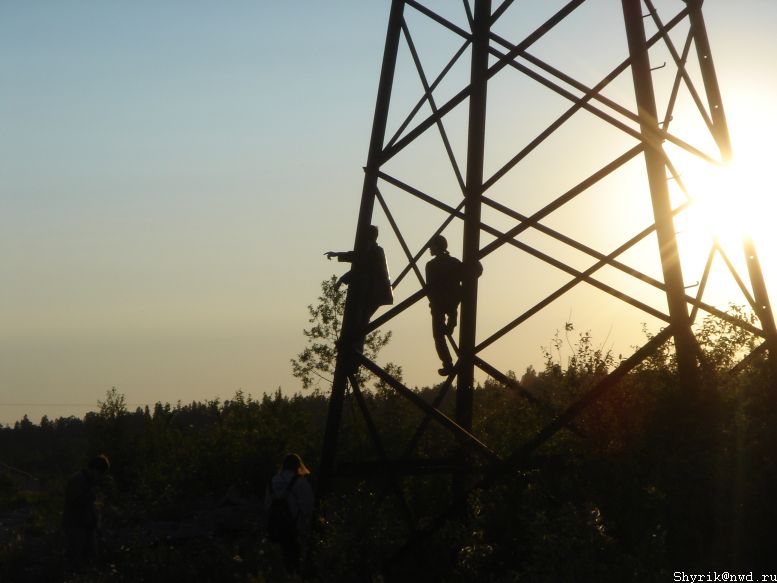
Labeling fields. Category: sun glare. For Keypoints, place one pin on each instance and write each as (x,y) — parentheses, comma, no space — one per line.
(733,201)
(730,204)
(717,195)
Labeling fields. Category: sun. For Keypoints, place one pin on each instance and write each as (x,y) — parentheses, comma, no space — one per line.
(732,201)
(726,206)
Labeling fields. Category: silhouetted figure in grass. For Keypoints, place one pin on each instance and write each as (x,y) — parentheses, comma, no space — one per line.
(368,276)
(81,517)
(444,275)
(288,504)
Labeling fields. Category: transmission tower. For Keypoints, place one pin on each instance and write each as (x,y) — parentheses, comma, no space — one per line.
(620,118)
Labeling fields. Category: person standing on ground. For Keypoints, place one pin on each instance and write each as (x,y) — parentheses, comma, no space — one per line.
(81,517)
(288,506)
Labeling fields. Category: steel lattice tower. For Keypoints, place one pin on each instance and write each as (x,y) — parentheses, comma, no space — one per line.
(672,28)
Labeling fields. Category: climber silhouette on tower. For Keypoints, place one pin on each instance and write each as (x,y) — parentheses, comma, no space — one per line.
(444,275)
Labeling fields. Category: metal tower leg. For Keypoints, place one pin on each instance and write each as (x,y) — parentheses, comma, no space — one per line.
(472,209)
(474,190)
(659,193)
(351,329)
(710,79)
(763,308)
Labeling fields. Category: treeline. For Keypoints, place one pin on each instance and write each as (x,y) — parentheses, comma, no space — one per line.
(163,452)
(653,478)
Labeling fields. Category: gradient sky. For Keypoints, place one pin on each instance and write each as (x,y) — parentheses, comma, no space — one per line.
(171,173)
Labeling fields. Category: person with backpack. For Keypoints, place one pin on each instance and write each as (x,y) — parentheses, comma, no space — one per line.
(289,509)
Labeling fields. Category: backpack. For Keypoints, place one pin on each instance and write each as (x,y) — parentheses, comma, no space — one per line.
(281,523)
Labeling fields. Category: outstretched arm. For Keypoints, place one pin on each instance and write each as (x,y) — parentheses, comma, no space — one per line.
(341,255)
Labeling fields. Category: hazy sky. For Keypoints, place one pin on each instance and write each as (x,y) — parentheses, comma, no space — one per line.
(171,173)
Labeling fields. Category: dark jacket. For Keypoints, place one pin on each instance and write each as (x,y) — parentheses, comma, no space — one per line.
(370,274)
(443,282)
(80,502)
